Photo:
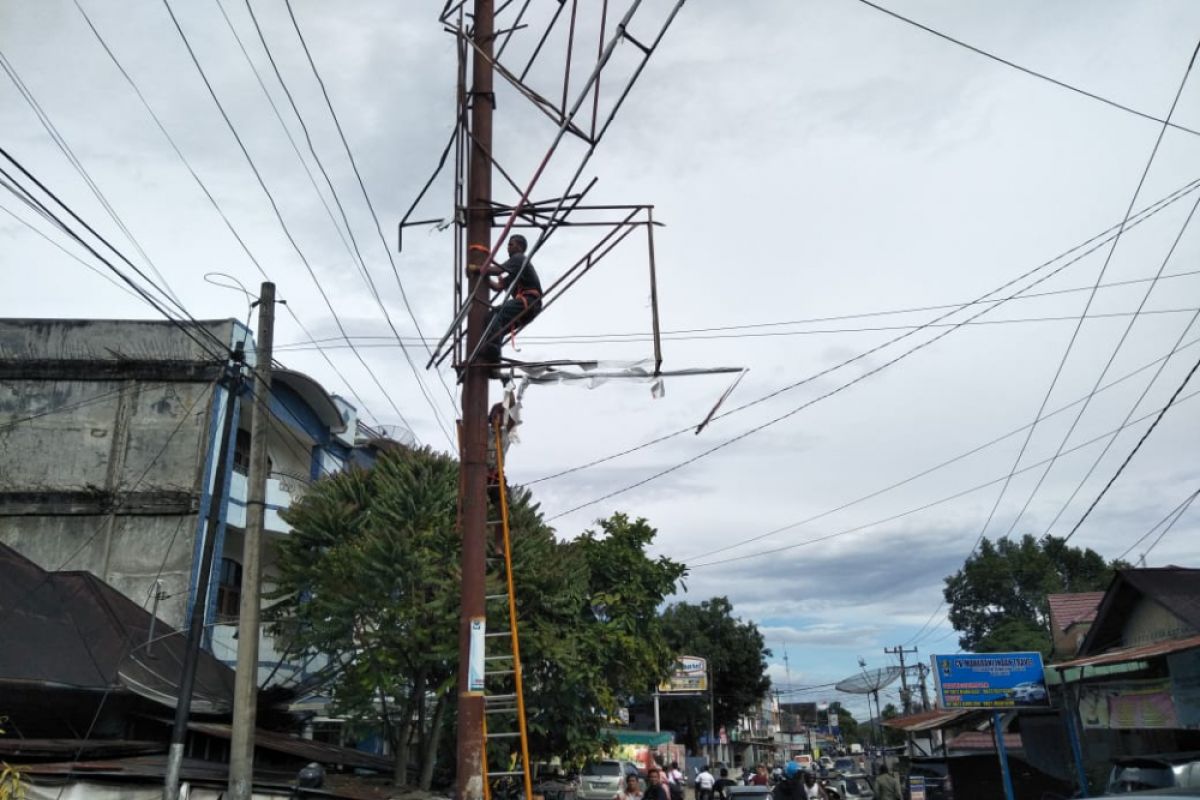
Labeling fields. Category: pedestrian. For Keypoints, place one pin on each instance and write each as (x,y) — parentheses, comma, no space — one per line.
(813,789)
(704,784)
(723,783)
(887,786)
(524,301)
(791,786)
(655,789)
(675,781)
(760,776)
(632,789)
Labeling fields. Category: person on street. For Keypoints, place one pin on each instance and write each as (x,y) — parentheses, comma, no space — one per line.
(792,785)
(632,789)
(887,787)
(523,303)
(760,776)
(813,790)
(704,784)
(720,788)
(655,788)
(675,781)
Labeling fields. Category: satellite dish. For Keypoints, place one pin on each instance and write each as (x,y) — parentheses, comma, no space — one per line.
(868,681)
(399,433)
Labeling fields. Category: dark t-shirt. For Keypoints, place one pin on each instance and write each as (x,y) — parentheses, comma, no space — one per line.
(525,279)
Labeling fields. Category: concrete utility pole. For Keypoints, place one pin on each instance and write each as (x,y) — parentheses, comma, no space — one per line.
(187,681)
(905,694)
(245,691)
(470,744)
(922,671)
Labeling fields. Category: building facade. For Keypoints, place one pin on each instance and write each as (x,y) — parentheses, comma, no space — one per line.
(109,447)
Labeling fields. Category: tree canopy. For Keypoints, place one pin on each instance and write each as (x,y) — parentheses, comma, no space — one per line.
(736,660)
(370,578)
(998,599)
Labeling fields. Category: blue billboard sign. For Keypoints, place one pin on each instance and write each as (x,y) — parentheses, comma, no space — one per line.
(991,680)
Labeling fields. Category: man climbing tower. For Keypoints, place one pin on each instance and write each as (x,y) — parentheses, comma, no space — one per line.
(522,305)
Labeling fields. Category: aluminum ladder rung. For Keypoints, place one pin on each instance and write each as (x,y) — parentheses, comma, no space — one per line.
(503,710)
(505,697)
(488,674)
(505,735)
(502,774)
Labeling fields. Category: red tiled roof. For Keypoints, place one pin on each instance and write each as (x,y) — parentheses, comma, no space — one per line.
(1068,609)
(1133,653)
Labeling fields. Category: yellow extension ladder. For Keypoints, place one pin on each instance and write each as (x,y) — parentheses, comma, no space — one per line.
(508,665)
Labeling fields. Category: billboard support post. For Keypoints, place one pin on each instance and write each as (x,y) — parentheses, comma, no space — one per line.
(1072,713)
(1002,752)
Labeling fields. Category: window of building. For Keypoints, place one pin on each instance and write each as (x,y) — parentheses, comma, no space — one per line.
(229,589)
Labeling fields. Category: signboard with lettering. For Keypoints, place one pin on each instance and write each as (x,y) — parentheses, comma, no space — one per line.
(991,680)
(690,677)
(916,787)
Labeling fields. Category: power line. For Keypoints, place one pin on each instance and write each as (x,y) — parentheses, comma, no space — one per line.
(639,336)
(1103,372)
(1133,452)
(867,374)
(1026,70)
(948,462)
(1169,520)
(213,201)
(1096,242)
(358,176)
(926,506)
(61,142)
(367,341)
(1071,343)
(352,247)
(279,216)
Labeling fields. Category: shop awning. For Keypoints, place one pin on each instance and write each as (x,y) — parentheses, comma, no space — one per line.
(647,738)
(1139,653)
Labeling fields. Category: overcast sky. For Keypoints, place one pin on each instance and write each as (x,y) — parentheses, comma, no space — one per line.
(810,159)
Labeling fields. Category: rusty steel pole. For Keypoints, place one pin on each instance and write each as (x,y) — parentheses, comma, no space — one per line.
(471,745)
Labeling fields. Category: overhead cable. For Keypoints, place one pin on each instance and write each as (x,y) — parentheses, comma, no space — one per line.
(361,404)
(1095,242)
(1027,70)
(283,224)
(858,528)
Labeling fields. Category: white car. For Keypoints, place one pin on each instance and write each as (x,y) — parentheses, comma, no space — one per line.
(1029,692)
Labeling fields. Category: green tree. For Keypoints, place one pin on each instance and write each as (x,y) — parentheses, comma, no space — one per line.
(998,599)
(737,662)
(370,578)
(847,724)
(891,736)
(611,645)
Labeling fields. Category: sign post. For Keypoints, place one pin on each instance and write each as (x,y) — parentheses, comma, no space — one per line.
(998,730)
(996,681)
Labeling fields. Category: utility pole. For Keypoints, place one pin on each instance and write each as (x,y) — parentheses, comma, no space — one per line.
(470,745)
(905,694)
(187,682)
(245,692)
(922,671)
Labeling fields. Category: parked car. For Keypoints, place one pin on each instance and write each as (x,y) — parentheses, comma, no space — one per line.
(848,786)
(1029,692)
(1163,771)
(748,792)
(602,780)
(845,764)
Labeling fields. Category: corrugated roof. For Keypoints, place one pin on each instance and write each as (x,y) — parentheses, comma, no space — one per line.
(928,720)
(983,740)
(1069,609)
(307,749)
(71,629)
(1139,653)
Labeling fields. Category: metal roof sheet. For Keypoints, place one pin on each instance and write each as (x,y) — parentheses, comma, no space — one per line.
(929,720)
(1139,653)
